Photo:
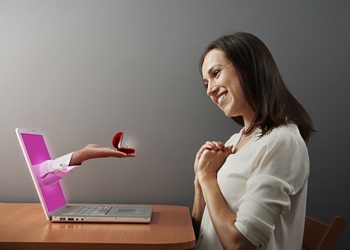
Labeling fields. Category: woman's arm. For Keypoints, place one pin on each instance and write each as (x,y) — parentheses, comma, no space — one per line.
(198,201)
(198,207)
(222,217)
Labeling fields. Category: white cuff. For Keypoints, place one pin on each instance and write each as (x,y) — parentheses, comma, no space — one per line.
(60,163)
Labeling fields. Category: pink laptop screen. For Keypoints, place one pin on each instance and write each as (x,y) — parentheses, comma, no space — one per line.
(38,153)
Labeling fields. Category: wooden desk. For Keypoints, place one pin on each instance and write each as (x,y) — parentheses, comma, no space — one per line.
(24,226)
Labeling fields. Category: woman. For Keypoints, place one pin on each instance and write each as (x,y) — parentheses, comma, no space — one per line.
(250,193)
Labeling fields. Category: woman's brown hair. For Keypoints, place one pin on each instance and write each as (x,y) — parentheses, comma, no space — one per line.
(262,84)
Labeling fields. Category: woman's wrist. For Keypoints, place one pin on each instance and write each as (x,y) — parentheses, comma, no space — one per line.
(77,158)
(205,176)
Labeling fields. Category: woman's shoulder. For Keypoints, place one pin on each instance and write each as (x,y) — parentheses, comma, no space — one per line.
(284,136)
(284,131)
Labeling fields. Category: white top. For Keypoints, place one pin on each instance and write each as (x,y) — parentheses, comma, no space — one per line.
(265,185)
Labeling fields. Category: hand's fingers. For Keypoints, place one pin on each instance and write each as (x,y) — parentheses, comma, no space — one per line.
(131,155)
(210,145)
(121,154)
(219,145)
(214,145)
(229,148)
(101,152)
(204,147)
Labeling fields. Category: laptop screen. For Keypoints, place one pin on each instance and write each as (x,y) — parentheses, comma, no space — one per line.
(38,153)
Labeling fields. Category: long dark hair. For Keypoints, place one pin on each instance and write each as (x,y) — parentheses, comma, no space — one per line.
(262,84)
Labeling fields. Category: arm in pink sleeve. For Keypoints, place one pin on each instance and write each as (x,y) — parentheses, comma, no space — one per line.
(50,172)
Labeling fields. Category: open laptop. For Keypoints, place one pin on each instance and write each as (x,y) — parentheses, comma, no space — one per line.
(53,199)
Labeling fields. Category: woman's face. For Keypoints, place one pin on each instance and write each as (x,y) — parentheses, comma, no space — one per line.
(224,87)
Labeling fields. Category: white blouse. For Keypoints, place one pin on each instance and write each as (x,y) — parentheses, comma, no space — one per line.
(265,186)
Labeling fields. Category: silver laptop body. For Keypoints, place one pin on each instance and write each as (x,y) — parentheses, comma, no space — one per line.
(53,200)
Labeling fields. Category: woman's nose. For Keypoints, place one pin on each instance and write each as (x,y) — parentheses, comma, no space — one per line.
(212,88)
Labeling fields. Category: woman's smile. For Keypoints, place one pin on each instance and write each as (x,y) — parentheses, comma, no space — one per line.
(222,98)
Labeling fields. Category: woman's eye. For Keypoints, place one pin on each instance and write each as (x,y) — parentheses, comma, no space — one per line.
(216,72)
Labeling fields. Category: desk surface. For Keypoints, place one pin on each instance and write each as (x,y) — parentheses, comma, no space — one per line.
(24,226)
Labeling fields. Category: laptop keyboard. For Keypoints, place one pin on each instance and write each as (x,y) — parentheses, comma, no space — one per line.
(88,210)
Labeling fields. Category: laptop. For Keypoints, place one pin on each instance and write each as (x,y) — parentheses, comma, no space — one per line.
(52,197)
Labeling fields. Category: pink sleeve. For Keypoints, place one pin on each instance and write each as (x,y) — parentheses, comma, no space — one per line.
(50,172)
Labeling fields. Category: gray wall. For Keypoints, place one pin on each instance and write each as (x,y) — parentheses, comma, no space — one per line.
(83,70)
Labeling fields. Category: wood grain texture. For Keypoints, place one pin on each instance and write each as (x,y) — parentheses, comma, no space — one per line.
(25,227)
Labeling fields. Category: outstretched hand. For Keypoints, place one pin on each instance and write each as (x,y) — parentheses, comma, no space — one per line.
(93,151)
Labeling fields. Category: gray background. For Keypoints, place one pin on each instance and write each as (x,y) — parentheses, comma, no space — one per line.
(83,70)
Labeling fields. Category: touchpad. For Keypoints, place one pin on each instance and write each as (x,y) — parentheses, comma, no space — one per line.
(131,210)
(126,210)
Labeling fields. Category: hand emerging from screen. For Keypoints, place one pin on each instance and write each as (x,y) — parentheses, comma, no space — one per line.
(93,151)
